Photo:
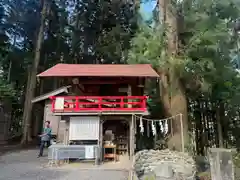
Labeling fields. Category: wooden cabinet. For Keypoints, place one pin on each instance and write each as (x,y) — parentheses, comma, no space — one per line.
(122,145)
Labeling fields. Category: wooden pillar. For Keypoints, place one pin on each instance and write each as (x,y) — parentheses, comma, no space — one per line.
(132,137)
(100,142)
(129,93)
(66,133)
(135,127)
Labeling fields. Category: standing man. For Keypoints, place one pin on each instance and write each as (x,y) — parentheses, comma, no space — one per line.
(45,137)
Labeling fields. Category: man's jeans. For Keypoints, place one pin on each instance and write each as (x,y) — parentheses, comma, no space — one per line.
(42,145)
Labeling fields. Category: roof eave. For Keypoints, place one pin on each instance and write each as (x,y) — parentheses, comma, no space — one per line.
(147,76)
(49,94)
(150,73)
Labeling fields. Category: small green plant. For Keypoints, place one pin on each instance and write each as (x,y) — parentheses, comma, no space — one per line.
(236,159)
(190,145)
(150,178)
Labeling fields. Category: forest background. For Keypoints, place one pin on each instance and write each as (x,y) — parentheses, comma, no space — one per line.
(192,44)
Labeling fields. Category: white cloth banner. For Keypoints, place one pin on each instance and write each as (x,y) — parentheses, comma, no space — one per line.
(59,103)
(141,126)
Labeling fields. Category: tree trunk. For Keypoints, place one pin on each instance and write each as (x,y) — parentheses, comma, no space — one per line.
(178,105)
(75,34)
(162,12)
(10,63)
(171,28)
(31,84)
(172,92)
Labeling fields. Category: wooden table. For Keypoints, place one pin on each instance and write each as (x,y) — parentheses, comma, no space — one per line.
(112,155)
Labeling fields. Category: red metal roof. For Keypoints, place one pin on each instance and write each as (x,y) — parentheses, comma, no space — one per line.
(102,70)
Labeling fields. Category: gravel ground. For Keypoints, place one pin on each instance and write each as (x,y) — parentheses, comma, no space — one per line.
(24,165)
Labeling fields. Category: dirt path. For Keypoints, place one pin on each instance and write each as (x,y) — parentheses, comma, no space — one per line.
(25,165)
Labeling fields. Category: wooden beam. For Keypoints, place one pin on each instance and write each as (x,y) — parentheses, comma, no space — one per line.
(110,80)
(105,82)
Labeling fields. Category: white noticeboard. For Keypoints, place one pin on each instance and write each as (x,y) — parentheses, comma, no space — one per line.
(84,128)
(89,152)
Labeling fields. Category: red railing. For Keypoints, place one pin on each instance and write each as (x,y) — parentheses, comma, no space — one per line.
(98,103)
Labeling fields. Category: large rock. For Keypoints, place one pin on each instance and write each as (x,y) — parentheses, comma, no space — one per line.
(164,164)
(164,170)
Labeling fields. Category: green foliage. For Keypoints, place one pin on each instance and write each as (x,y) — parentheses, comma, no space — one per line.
(150,178)
(207,44)
(75,32)
(154,102)
(236,159)
(101,30)
(6,90)
(148,47)
(190,145)
(204,56)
